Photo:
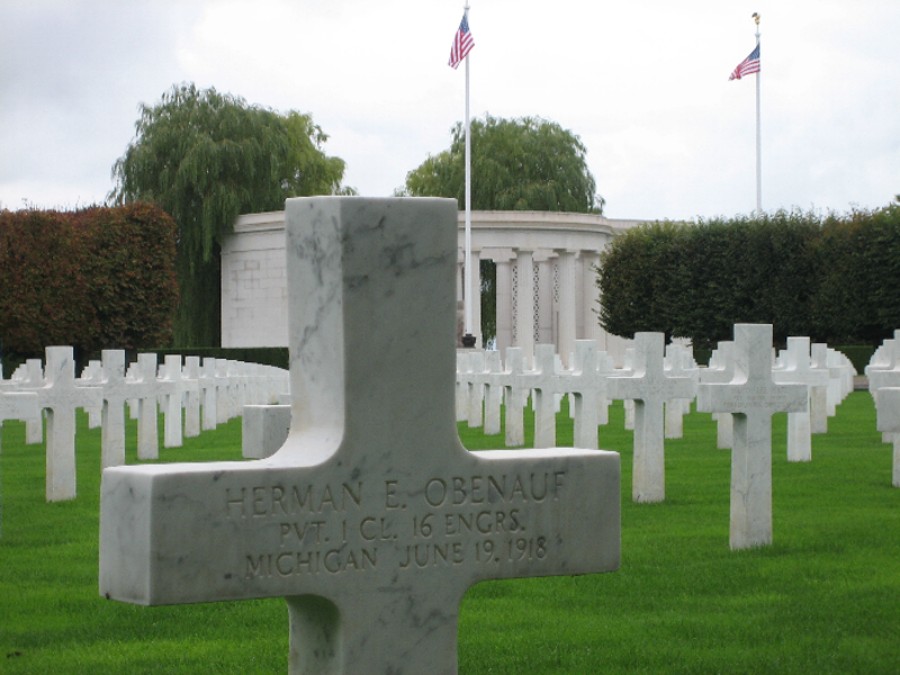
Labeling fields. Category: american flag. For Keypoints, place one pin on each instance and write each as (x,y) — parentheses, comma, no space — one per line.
(748,66)
(462,43)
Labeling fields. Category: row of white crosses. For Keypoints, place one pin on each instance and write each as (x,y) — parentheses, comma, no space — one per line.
(191,397)
(827,373)
(649,380)
(883,373)
(743,387)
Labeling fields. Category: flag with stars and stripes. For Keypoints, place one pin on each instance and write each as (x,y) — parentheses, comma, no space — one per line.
(462,43)
(748,66)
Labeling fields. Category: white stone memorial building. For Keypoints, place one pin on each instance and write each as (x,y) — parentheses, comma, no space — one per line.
(546,283)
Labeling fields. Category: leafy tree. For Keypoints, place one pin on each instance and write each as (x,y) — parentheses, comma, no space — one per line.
(525,164)
(206,157)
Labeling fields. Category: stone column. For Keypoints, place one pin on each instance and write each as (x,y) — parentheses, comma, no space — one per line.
(460,293)
(504,291)
(567,324)
(525,305)
(476,299)
(545,310)
(592,330)
(460,274)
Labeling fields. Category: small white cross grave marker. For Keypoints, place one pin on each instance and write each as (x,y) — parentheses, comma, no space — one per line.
(721,370)
(887,407)
(33,378)
(372,520)
(650,388)
(515,392)
(210,415)
(191,380)
(546,384)
(679,362)
(172,387)
(146,390)
(493,393)
(798,370)
(591,391)
(60,396)
(115,393)
(752,398)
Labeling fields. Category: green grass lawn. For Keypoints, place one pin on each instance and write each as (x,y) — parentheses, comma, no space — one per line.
(825,598)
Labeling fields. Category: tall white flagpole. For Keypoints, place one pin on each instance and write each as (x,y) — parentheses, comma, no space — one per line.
(758,131)
(468,338)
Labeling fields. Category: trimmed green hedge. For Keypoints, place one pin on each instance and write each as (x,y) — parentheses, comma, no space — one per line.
(859,355)
(834,279)
(95,278)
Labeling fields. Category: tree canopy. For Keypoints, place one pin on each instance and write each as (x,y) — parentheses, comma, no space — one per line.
(525,164)
(206,157)
(517,164)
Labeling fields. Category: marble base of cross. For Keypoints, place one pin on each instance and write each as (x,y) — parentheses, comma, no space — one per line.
(372,520)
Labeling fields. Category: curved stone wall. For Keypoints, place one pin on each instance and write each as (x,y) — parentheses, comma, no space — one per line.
(544,264)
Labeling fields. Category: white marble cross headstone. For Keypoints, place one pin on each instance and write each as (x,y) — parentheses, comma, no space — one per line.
(888,409)
(752,398)
(514,394)
(493,393)
(475,412)
(92,376)
(591,390)
(372,520)
(33,377)
(60,396)
(884,371)
(210,416)
(721,370)
(172,388)
(146,390)
(116,390)
(679,362)
(191,379)
(818,401)
(650,388)
(798,370)
(546,385)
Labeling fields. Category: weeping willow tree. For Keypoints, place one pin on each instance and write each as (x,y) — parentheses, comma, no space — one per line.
(206,157)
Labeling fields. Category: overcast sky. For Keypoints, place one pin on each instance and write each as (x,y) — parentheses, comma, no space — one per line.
(644,84)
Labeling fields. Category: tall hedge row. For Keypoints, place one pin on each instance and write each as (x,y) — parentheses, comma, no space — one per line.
(95,278)
(836,279)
